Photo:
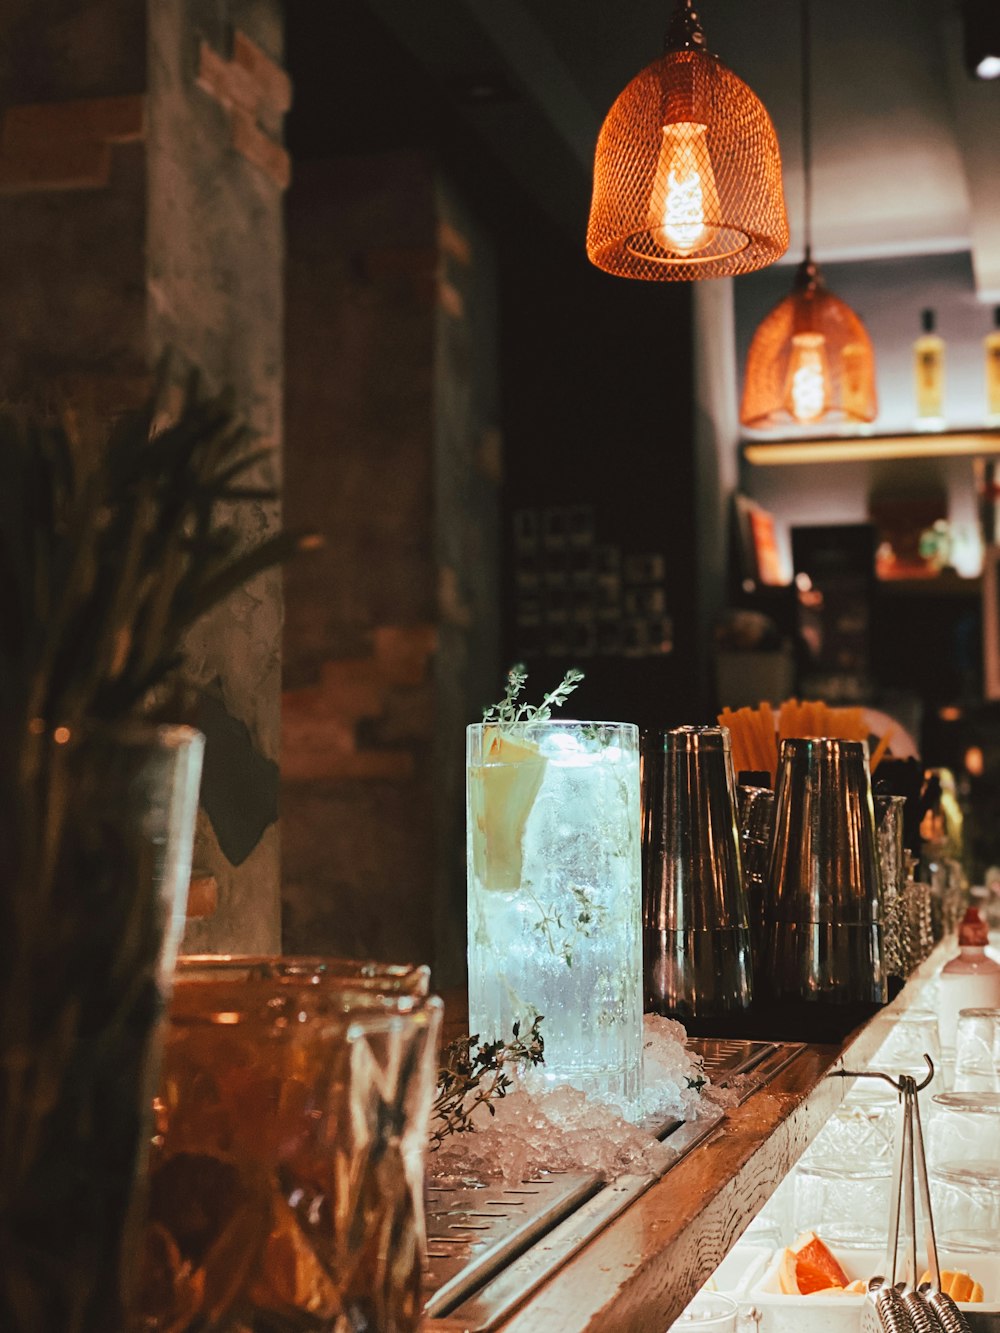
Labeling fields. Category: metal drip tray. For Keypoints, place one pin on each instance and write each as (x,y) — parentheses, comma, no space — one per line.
(475,1228)
(742,1066)
(489,1242)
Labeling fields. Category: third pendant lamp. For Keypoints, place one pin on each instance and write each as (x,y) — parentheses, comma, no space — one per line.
(687,173)
(811,361)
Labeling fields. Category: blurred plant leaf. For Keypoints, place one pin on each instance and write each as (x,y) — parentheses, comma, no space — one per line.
(109,554)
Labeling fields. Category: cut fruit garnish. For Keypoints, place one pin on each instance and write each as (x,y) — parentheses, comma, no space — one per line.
(787,1280)
(502,792)
(958,1284)
(809,1267)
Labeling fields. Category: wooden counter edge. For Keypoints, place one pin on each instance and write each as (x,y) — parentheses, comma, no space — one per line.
(639,1272)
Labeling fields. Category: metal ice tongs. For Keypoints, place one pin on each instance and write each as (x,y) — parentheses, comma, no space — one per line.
(909,1306)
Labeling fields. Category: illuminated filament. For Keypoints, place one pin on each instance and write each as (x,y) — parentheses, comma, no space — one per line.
(684,198)
(807,377)
(684,211)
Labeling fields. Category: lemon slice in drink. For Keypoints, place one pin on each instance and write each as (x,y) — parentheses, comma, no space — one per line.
(501,793)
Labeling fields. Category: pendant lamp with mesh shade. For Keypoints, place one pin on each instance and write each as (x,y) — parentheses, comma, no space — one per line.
(687,173)
(811,361)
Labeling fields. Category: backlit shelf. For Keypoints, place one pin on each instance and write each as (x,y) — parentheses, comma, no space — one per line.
(872,448)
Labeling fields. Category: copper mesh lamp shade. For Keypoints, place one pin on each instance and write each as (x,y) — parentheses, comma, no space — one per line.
(810,361)
(687,173)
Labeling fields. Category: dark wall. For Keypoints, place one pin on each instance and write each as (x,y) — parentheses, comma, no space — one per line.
(409,302)
(598,411)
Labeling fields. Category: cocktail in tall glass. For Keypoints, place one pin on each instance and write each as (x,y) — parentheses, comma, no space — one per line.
(555,895)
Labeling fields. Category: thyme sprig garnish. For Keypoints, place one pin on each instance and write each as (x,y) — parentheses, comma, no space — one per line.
(587,917)
(475,1074)
(512,717)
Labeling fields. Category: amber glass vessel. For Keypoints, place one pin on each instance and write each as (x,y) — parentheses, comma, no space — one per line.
(287,1171)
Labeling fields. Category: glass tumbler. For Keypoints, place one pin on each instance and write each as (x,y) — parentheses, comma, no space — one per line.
(889,812)
(847,1203)
(554,885)
(977,1051)
(347,974)
(859,1134)
(917,921)
(963,1154)
(96,828)
(286,1181)
(963,1136)
(910,1036)
(708,1312)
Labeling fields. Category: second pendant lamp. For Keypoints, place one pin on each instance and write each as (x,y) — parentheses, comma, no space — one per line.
(811,361)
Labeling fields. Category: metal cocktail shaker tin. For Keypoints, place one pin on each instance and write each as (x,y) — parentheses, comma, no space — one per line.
(755,811)
(823,922)
(696,940)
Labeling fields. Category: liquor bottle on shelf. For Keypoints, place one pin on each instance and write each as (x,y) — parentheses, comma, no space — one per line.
(928,368)
(971,980)
(991,347)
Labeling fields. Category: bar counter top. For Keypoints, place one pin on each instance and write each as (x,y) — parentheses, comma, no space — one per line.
(640,1271)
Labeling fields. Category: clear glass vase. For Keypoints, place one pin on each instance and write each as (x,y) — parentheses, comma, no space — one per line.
(96,827)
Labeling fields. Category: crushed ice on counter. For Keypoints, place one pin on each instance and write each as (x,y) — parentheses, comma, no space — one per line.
(537,1127)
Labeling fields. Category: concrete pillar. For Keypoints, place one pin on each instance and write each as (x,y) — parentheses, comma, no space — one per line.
(216,172)
(141,179)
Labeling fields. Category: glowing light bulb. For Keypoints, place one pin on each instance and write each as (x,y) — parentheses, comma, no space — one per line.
(684,202)
(807,377)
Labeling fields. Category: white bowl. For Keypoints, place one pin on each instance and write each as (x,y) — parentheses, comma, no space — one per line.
(834,1313)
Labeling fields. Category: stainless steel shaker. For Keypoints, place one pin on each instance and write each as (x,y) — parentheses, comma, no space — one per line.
(755,815)
(823,923)
(696,941)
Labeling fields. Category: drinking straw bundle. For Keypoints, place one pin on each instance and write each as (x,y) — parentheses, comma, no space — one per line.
(756,732)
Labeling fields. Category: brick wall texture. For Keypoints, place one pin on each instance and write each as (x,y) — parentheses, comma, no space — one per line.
(388,401)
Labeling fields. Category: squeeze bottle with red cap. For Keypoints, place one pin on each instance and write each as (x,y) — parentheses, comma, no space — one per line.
(969,981)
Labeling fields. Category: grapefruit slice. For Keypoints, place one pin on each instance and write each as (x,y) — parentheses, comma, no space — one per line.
(816,1267)
(787,1280)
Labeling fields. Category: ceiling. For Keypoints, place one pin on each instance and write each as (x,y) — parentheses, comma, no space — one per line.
(906,147)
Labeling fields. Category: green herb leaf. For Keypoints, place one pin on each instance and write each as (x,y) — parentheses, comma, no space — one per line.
(475,1074)
(109,552)
(512,717)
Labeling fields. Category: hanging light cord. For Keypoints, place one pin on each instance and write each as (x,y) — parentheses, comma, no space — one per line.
(684,32)
(806,128)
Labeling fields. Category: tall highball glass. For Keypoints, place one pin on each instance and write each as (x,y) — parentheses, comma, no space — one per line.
(554,885)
